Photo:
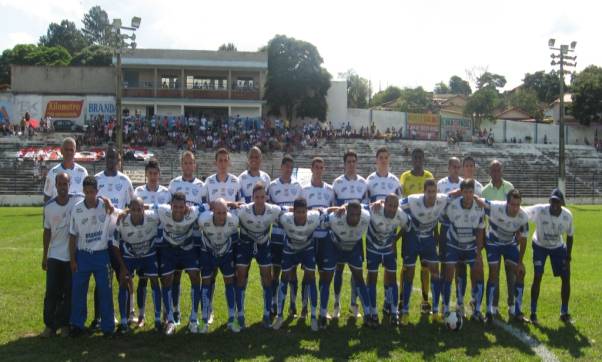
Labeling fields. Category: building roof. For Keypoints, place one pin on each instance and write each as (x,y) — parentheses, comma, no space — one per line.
(195,58)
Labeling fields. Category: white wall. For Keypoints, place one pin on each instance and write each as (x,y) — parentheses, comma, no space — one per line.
(356,117)
(336,99)
(162,110)
(387,119)
(245,112)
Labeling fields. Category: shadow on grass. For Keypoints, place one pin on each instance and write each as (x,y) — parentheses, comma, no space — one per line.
(343,340)
(566,337)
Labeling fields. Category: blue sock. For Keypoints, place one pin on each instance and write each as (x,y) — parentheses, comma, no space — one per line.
(240,300)
(267,300)
(372,294)
(338,285)
(324,295)
(122,298)
(168,302)
(294,286)
(196,299)
(205,301)
(407,294)
(175,296)
(436,291)
(446,295)
(519,289)
(141,297)
(230,292)
(564,309)
(393,298)
(281,297)
(490,293)
(313,296)
(460,289)
(362,292)
(477,292)
(157,302)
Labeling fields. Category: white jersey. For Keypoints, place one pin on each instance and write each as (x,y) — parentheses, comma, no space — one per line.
(228,189)
(299,237)
(92,226)
(423,219)
(445,185)
(247,182)
(344,236)
(347,190)
(549,228)
(464,224)
(76,179)
(218,238)
(153,198)
(137,241)
(381,186)
(256,227)
(56,219)
(478,188)
(116,188)
(319,197)
(178,233)
(283,194)
(192,189)
(383,230)
(502,227)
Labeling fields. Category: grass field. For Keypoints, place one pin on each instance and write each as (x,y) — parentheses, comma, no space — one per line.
(22,284)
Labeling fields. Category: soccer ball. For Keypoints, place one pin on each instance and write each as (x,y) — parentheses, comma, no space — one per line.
(453,321)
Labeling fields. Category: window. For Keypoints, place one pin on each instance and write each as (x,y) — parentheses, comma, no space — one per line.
(169,81)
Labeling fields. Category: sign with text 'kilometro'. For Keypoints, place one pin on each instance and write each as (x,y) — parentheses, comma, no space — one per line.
(64,109)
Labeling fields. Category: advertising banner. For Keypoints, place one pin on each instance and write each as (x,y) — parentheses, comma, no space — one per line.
(423,126)
(457,127)
(64,109)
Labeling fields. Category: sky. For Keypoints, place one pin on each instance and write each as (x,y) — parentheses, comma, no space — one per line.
(402,43)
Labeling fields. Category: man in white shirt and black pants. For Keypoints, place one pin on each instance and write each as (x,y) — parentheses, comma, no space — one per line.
(55,260)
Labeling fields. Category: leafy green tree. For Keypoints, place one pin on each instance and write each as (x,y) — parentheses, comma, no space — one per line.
(587,95)
(458,85)
(416,100)
(65,34)
(441,88)
(527,101)
(545,85)
(296,83)
(230,47)
(482,104)
(491,80)
(389,94)
(358,89)
(98,29)
(95,55)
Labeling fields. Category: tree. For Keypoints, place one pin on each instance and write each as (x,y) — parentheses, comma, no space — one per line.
(416,100)
(527,101)
(389,94)
(95,55)
(358,89)
(66,35)
(458,85)
(98,30)
(441,88)
(482,104)
(490,80)
(587,95)
(30,54)
(230,47)
(545,85)
(296,83)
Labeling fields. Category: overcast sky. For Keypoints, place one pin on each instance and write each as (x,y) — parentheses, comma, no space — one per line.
(399,43)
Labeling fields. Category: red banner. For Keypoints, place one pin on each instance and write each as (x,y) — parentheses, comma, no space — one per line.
(64,109)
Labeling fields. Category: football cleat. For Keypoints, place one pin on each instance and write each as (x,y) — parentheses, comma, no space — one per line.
(277,323)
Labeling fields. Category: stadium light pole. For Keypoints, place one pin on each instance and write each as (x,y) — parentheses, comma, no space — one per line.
(118,49)
(560,57)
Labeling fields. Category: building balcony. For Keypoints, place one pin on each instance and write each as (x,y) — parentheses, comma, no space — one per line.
(193,93)
(138,92)
(249,94)
(205,94)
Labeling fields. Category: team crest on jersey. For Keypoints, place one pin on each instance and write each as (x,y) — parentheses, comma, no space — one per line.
(78,179)
(102,217)
(84,221)
(118,187)
(195,192)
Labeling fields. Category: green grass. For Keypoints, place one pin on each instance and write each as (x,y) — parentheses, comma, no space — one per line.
(22,286)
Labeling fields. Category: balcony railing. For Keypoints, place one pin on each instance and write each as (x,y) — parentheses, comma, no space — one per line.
(194,93)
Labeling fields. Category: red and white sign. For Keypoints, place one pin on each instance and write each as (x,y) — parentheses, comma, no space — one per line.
(64,109)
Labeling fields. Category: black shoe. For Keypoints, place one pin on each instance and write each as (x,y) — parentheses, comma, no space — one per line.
(274,311)
(158,327)
(76,332)
(534,319)
(322,322)
(94,325)
(566,318)
(176,318)
(425,307)
(520,318)
(489,318)
(386,310)
(394,320)
(123,329)
(375,321)
(478,317)
(293,310)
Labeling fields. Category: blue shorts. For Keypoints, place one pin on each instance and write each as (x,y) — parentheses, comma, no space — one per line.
(245,251)
(276,246)
(147,266)
(495,252)
(324,254)
(210,263)
(175,258)
(353,258)
(375,259)
(455,256)
(558,258)
(305,257)
(413,246)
